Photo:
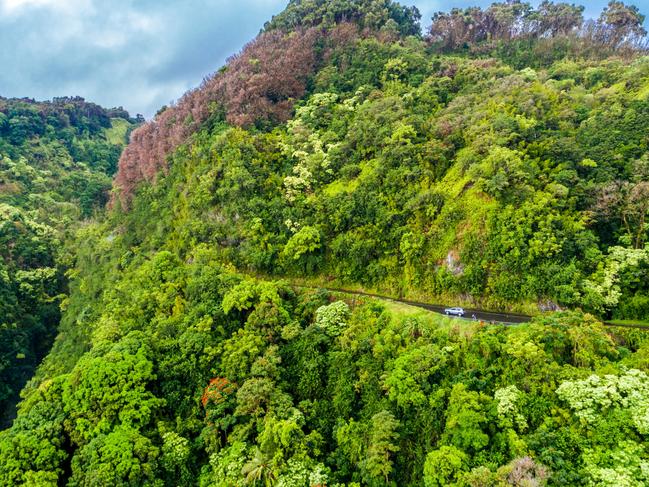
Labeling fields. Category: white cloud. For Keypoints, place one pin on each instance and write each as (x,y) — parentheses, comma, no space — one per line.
(137,53)
(10,6)
(17,7)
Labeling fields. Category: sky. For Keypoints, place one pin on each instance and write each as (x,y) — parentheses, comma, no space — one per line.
(139,54)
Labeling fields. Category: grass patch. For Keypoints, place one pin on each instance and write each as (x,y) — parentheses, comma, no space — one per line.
(403,309)
(116,134)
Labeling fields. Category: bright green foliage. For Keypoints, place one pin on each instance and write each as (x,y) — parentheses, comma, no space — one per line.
(110,389)
(466,417)
(626,395)
(331,318)
(182,359)
(175,454)
(241,298)
(508,407)
(444,467)
(409,383)
(205,397)
(122,457)
(34,448)
(625,465)
(620,274)
(301,246)
(448,177)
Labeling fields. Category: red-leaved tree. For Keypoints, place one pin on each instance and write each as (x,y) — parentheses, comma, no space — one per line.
(259,85)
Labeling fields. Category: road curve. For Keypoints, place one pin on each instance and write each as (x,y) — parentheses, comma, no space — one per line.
(480,315)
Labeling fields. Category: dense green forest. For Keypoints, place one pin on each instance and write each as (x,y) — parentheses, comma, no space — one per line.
(451,177)
(500,159)
(56,163)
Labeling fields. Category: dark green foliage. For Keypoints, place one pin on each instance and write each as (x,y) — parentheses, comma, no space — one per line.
(29,283)
(56,163)
(371,14)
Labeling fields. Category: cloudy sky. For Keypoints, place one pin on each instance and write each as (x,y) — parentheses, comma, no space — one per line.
(140,54)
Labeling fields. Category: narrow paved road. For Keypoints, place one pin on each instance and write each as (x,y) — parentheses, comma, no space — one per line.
(480,315)
(474,314)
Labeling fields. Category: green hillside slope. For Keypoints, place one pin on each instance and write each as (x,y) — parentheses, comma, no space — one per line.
(437,176)
(56,163)
(500,160)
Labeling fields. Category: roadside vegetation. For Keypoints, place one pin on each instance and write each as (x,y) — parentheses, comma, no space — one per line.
(500,159)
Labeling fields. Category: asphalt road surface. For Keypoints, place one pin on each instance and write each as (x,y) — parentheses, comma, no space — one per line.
(474,314)
(480,315)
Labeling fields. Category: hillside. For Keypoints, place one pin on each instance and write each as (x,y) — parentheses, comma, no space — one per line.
(500,160)
(429,171)
(56,163)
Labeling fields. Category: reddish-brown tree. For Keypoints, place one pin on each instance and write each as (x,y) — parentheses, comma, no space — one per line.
(217,391)
(259,85)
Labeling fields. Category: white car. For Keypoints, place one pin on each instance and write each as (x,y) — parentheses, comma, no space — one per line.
(454,311)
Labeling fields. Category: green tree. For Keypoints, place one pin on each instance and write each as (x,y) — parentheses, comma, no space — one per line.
(383,435)
(122,457)
(445,466)
(111,389)
(466,416)
(302,247)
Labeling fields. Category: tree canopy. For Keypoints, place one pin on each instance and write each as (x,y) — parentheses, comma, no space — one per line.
(500,162)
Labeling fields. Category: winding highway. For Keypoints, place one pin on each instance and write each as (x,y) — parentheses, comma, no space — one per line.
(480,315)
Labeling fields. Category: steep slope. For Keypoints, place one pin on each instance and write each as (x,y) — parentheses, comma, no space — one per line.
(56,163)
(338,147)
(437,176)
(260,85)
